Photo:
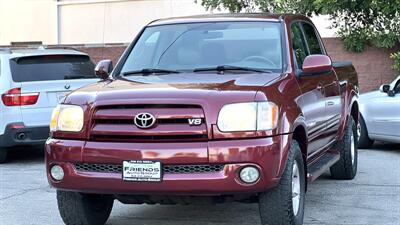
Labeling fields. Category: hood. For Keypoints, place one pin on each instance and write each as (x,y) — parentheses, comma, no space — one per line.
(365,97)
(194,88)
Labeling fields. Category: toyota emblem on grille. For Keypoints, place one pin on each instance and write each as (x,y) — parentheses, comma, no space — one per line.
(144,120)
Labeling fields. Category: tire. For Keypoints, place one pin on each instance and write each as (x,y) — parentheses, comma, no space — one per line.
(84,209)
(276,205)
(346,167)
(364,141)
(3,155)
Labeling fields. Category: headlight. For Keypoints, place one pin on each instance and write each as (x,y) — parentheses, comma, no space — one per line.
(251,116)
(67,118)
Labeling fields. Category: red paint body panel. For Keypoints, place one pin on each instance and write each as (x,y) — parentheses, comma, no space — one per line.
(173,184)
(262,153)
(317,104)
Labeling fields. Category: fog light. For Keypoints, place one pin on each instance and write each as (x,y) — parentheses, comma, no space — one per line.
(249,174)
(57,172)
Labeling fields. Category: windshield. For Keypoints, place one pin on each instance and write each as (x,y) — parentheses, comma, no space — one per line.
(182,47)
(52,67)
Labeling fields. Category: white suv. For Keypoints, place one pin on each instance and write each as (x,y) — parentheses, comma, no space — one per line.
(32,82)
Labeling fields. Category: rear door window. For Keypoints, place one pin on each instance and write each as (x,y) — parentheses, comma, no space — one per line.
(51,67)
(312,39)
(299,45)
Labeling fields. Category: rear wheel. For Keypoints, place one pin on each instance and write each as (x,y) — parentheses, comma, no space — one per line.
(3,155)
(84,209)
(284,204)
(364,141)
(346,167)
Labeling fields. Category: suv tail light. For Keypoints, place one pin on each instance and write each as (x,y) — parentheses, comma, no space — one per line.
(14,97)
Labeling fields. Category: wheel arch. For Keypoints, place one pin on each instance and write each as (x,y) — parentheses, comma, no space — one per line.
(352,108)
(299,134)
(355,111)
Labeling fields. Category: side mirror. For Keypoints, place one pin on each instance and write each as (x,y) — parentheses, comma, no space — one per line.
(314,64)
(103,69)
(384,88)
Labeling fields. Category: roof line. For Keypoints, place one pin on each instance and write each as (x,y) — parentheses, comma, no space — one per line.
(257,15)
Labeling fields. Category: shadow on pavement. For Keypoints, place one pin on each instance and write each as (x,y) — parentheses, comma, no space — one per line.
(222,214)
(25,154)
(384,146)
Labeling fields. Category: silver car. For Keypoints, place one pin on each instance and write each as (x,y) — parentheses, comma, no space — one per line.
(380,115)
(32,83)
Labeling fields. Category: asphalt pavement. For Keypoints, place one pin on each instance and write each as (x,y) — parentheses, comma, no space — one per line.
(373,198)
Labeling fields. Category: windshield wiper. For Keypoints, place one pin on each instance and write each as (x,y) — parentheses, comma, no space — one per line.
(149,71)
(228,67)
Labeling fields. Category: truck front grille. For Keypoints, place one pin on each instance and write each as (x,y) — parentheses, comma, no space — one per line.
(169,169)
(115,123)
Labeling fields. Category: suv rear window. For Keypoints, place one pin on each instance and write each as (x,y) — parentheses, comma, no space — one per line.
(52,67)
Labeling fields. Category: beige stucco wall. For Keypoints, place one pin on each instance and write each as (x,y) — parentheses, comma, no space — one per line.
(116,21)
(84,21)
(28,20)
(91,21)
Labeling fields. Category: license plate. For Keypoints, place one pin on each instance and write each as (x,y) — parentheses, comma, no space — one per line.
(142,171)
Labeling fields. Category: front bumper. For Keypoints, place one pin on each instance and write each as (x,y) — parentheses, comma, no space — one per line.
(264,153)
(17,134)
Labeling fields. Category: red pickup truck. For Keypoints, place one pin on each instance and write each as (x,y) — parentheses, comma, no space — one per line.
(236,107)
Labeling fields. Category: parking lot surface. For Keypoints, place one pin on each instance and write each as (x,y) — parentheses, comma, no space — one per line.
(373,198)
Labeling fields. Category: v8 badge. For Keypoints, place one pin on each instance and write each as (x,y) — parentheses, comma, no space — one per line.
(194,121)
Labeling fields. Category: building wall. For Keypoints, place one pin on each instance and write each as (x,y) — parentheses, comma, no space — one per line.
(28,20)
(84,21)
(93,21)
(115,21)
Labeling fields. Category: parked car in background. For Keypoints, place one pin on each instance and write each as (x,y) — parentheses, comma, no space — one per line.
(380,115)
(237,107)
(32,83)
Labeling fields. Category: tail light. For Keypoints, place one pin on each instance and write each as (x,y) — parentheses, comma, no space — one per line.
(14,97)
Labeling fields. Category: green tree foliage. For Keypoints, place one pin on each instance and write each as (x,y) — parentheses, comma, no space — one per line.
(359,22)
(396,58)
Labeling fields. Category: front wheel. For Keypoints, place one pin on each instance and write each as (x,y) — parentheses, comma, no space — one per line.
(84,209)
(284,204)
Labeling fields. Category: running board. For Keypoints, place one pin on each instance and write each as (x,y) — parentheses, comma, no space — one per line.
(319,166)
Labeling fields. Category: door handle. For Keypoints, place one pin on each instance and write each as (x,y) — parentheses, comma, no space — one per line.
(330,103)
